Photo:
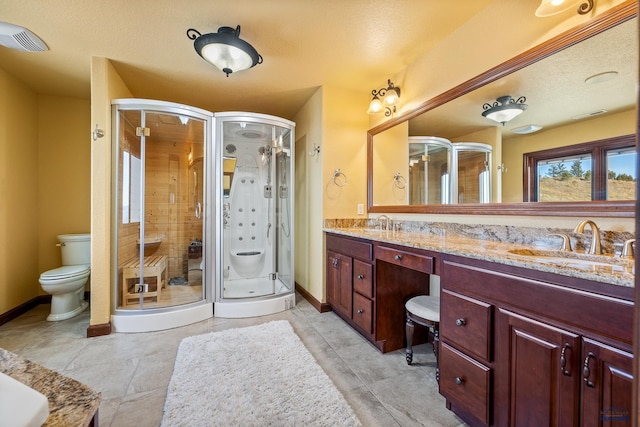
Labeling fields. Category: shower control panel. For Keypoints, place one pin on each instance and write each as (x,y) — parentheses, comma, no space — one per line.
(267,191)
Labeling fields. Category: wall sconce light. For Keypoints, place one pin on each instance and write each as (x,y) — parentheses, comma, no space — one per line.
(225,49)
(390,97)
(553,7)
(504,109)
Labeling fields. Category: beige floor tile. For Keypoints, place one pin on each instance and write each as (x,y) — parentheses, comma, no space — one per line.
(132,371)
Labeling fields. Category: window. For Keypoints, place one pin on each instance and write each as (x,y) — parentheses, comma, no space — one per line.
(598,170)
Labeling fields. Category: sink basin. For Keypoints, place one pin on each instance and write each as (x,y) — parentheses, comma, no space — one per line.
(600,263)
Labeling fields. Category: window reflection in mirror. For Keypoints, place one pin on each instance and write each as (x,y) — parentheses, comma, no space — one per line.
(598,170)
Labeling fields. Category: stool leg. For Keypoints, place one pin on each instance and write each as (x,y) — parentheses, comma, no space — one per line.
(409,331)
(436,349)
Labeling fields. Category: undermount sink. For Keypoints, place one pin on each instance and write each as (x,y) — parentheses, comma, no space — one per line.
(577,260)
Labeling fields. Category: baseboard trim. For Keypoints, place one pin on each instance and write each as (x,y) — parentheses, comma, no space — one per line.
(322,307)
(99,330)
(23,308)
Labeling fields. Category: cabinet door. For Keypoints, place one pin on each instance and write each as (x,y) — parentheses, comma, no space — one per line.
(540,369)
(607,385)
(339,283)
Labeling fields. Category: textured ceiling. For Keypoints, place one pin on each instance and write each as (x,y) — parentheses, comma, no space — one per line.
(354,44)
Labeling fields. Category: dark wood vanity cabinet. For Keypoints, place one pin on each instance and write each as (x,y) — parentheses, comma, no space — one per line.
(368,284)
(349,281)
(526,348)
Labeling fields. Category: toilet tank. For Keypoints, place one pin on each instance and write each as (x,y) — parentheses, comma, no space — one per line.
(75,248)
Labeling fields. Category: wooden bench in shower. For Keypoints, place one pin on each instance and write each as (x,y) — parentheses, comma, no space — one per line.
(154,266)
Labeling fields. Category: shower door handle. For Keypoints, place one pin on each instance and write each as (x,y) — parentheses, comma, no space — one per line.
(198,210)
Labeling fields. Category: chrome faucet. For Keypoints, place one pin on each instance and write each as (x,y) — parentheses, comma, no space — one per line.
(386,224)
(594,249)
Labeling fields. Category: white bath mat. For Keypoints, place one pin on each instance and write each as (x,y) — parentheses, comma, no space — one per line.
(256,376)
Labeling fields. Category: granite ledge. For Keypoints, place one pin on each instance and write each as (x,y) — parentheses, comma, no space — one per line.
(71,403)
(446,242)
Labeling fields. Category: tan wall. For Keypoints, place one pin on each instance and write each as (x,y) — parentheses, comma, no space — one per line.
(309,240)
(64,173)
(597,128)
(390,156)
(106,85)
(19,269)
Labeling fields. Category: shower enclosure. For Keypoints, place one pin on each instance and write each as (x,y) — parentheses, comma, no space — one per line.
(255,274)
(443,172)
(202,215)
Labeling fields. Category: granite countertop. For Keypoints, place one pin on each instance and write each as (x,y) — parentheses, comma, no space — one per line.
(606,269)
(71,403)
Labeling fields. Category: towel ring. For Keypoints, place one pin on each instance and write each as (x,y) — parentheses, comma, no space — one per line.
(337,180)
(399,181)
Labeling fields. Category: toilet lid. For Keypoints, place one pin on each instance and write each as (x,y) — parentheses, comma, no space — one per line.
(65,271)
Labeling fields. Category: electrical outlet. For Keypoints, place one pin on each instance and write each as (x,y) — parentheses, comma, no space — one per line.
(267,191)
(360,209)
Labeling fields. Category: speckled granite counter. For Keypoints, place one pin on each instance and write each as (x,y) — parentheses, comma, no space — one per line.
(612,270)
(71,403)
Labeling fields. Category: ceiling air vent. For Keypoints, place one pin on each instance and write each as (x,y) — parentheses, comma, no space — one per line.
(19,38)
(591,114)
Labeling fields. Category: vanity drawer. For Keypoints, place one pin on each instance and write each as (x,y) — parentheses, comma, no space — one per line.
(406,259)
(363,278)
(354,248)
(466,322)
(363,312)
(465,381)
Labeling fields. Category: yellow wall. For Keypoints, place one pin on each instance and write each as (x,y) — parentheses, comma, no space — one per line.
(597,128)
(106,85)
(64,173)
(333,120)
(44,164)
(19,206)
(308,200)
(390,155)
(344,136)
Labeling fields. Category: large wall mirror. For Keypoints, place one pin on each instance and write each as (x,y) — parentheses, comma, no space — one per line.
(410,161)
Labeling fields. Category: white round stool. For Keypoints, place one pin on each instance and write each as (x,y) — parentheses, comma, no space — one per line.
(425,311)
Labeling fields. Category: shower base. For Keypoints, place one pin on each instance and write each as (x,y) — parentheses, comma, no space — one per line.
(249,288)
(254,297)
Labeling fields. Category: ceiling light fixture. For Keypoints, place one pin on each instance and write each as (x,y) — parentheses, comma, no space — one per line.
(505,108)
(524,130)
(553,7)
(225,49)
(390,97)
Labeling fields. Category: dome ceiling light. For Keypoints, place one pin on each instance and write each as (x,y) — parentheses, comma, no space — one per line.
(553,7)
(505,108)
(225,49)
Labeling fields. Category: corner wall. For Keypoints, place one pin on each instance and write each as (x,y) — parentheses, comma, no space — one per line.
(18,193)
(64,173)
(106,85)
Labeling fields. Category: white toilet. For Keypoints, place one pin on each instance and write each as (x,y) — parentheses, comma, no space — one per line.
(66,284)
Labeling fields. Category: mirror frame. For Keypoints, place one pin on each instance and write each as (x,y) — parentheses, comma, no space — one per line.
(617,15)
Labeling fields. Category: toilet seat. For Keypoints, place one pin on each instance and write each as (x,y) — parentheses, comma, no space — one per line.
(65,272)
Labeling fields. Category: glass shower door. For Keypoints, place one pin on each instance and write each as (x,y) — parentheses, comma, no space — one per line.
(256,202)
(161,198)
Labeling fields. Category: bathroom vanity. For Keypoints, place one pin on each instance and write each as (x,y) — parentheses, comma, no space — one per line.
(522,341)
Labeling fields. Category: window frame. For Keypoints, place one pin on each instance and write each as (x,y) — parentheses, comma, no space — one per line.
(598,150)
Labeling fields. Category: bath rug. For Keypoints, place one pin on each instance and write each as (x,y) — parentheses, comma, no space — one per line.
(255,376)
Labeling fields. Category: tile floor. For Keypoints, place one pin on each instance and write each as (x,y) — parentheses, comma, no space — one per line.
(132,371)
